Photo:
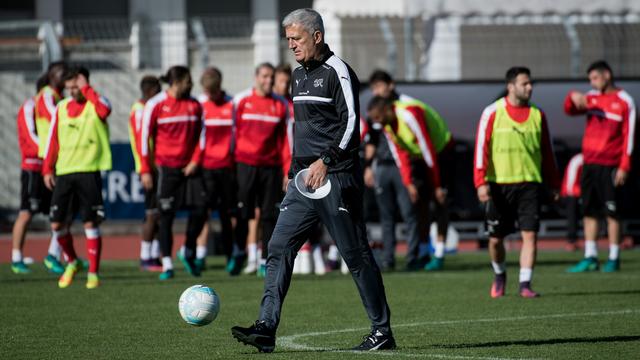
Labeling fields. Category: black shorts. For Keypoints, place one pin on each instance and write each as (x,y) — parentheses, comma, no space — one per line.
(179,192)
(447,165)
(34,195)
(511,204)
(83,188)
(599,195)
(220,185)
(151,196)
(259,186)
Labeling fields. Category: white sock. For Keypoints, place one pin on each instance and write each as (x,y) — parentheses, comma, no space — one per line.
(333,254)
(167,263)
(145,250)
(92,233)
(498,268)
(16,255)
(590,249)
(201,252)
(525,274)
(54,247)
(263,262)
(181,250)
(317,254)
(252,252)
(439,250)
(155,249)
(614,251)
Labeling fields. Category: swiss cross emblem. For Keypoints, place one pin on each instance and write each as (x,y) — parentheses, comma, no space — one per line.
(317,82)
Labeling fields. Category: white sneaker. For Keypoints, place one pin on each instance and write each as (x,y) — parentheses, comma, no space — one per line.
(296,265)
(305,262)
(344,269)
(251,268)
(319,267)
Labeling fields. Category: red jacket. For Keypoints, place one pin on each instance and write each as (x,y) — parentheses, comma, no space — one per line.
(415,117)
(175,126)
(261,125)
(287,146)
(571,179)
(483,142)
(611,121)
(74,109)
(28,137)
(402,159)
(364,131)
(218,123)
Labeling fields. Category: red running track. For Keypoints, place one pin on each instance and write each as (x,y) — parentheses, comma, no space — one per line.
(127,247)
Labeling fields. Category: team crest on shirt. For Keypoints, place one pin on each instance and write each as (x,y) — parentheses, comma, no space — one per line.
(318,82)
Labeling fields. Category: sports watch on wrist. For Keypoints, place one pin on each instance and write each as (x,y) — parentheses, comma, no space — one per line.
(325,159)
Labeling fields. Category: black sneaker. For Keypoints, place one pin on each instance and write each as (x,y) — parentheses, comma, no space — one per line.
(376,341)
(257,335)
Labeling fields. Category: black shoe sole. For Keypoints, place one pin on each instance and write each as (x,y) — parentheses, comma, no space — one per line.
(251,340)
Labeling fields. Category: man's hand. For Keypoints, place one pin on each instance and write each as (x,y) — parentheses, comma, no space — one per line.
(484,194)
(621,177)
(285,183)
(579,100)
(413,193)
(190,169)
(147,181)
(49,182)
(81,81)
(555,195)
(441,195)
(369,178)
(316,175)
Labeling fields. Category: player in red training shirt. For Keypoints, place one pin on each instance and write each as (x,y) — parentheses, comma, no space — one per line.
(217,160)
(149,246)
(173,121)
(261,124)
(607,146)
(34,196)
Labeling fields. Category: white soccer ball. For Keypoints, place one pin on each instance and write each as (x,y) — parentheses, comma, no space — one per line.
(199,305)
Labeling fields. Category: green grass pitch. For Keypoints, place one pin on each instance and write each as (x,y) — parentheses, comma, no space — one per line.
(446,315)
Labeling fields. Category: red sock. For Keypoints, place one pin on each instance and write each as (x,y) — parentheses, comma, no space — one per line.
(66,242)
(94,245)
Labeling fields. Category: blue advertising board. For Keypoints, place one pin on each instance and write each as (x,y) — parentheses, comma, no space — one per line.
(121,188)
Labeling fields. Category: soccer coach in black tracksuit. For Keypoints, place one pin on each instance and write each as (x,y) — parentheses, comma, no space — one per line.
(326,139)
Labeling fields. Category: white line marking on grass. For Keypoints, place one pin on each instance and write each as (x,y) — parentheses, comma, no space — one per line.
(290,341)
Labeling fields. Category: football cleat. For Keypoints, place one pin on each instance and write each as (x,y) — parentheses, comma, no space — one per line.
(257,335)
(376,341)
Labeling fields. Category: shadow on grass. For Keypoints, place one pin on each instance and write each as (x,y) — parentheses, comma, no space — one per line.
(558,262)
(30,279)
(579,340)
(592,293)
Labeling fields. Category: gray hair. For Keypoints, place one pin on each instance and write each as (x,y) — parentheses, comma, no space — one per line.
(309,19)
